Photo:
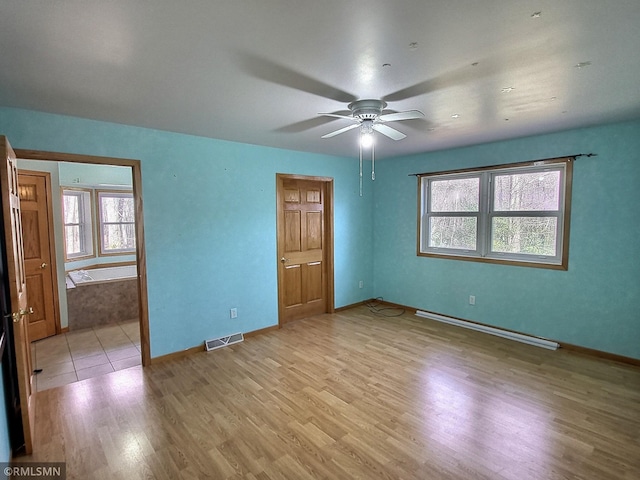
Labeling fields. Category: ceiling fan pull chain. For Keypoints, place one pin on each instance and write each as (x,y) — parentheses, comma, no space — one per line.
(373,161)
(360,168)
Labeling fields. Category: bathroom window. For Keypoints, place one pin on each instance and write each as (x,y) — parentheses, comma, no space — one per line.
(76,211)
(117,222)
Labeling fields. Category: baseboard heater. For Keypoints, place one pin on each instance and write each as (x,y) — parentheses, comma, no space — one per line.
(223,341)
(519,337)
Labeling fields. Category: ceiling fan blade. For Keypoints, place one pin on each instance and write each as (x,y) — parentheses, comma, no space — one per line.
(483,67)
(337,115)
(408,115)
(313,122)
(450,79)
(342,130)
(388,131)
(281,75)
(304,125)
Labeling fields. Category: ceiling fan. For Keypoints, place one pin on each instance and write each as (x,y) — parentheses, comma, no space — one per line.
(367,115)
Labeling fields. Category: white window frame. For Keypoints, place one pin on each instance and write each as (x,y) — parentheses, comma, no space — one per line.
(85,224)
(486,213)
(102,251)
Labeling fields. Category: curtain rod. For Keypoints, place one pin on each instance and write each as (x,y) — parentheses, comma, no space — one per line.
(530,162)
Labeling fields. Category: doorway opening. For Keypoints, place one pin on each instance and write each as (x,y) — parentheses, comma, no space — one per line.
(129,334)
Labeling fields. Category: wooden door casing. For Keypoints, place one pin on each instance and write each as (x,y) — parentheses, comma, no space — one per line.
(17,287)
(305,242)
(39,254)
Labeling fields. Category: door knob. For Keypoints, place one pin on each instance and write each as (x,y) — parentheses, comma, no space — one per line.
(44,265)
(21,313)
(284,260)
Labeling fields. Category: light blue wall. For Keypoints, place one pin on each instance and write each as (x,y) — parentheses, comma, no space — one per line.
(210,221)
(595,304)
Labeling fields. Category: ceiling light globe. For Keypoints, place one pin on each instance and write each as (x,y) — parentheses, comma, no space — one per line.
(366,140)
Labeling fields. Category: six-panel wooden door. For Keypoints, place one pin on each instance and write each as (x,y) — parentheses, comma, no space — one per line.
(303,246)
(39,254)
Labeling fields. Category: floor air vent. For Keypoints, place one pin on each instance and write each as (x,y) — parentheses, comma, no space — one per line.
(223,341)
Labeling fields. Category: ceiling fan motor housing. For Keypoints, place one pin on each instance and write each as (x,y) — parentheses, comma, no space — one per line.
(367,109)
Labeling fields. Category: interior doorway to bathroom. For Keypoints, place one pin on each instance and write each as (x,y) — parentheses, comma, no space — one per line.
(134,258)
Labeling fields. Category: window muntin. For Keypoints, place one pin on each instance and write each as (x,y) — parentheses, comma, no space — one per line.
(116,229)
(76,212)
(514,215)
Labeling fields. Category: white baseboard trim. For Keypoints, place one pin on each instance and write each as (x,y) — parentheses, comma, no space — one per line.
(519,337)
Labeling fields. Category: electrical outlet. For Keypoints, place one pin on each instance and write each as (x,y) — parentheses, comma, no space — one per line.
(233,313)
(472,299)
(360,284)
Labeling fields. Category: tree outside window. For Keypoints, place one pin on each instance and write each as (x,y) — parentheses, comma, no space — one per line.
(117,222)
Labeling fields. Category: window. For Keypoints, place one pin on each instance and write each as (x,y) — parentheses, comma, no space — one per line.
(117,223)
(76,211)
(507,214)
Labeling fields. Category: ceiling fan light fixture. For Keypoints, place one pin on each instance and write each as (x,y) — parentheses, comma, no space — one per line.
(366,139)
(366,134)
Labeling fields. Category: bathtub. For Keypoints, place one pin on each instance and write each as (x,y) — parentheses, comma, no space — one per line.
(100,296)
(103,275)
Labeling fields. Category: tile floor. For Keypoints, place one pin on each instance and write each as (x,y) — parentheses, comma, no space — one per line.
(86,353)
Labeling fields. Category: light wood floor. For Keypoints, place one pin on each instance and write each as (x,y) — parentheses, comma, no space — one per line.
(352,395)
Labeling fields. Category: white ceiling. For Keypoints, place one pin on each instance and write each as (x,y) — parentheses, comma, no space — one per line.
(259,71)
